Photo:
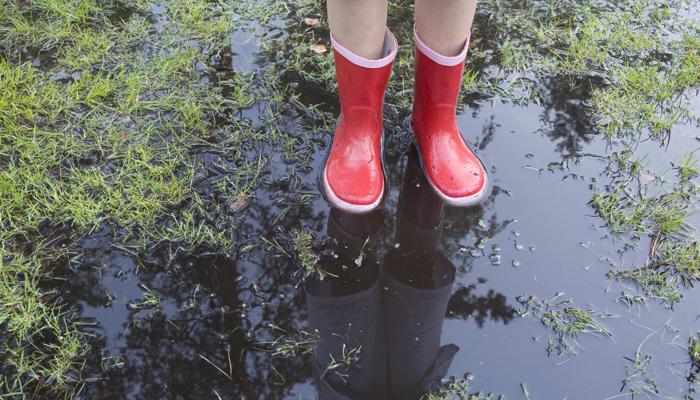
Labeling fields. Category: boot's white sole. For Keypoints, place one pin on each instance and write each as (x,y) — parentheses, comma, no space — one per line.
(466,201)
(343,205)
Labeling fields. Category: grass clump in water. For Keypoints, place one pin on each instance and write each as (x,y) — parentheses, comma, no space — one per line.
(458,389)
(629,208)
(302,241)
(40,346)
(300,246)
(565,321)
(288,344)
(694,349)
(694,354)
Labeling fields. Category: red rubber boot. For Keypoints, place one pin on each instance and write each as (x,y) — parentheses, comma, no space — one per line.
(353,179)
(452,168)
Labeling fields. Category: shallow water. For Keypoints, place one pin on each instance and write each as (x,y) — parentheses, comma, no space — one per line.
(209,335)
(209,307)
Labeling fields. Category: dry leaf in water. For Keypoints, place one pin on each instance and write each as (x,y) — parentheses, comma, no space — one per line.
(318,48)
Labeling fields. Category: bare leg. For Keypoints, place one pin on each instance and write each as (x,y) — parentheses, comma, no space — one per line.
(358,25)
(444,24)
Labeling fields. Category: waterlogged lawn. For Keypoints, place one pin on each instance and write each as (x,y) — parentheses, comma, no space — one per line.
(159,211)
(102,109)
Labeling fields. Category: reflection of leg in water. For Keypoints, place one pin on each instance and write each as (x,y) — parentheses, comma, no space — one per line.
(419,281)
(347,313)
(219,274)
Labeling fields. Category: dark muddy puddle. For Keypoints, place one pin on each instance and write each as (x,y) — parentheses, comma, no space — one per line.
(423,291)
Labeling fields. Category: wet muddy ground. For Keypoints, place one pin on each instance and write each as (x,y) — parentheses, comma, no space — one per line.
(514,297)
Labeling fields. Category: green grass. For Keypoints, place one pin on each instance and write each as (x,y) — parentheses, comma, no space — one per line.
(106,131)
(614,52)
(694,349)
(609,48)
(565,321)
(149,300)
(340,364)
(302,242)
(208,21)
(659,209)
(41,347)
(112,128)
(458,389)
(640,380)
(288,344)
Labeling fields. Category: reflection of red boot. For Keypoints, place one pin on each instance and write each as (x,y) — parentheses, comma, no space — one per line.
(452,168)
(353,179)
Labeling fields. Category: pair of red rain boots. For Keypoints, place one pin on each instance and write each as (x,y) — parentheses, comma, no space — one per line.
(354,179)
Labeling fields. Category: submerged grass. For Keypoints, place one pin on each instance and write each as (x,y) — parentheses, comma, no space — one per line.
(640,376)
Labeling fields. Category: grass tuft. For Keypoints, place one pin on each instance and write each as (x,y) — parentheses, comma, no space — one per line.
(694,349)
(565,321)
(629,208)
(39,344)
